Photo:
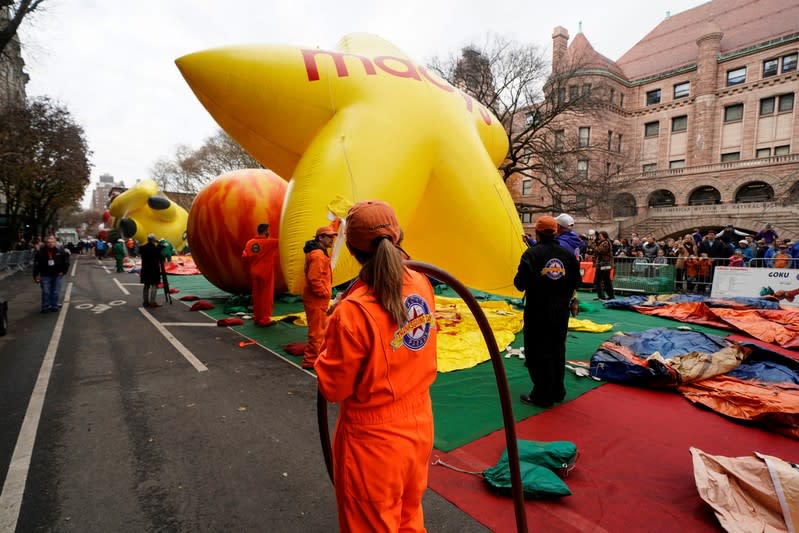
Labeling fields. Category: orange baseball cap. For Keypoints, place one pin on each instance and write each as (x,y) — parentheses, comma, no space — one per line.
(368,221)
(326,230)
(546,224)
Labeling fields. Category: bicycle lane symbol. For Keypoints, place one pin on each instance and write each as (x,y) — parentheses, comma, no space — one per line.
(100,308)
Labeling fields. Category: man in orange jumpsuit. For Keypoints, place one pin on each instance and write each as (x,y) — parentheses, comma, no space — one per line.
(259,258)
(378,362)
(318,290)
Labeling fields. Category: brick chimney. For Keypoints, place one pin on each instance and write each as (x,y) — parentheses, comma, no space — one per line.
(560,46)
(705,103)
(707,64)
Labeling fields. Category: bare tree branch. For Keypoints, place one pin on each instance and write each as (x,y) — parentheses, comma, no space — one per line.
(189,170)
(12,13)
(540,111)
(45,169)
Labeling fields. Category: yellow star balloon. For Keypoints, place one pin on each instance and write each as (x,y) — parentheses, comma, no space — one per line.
(361,122)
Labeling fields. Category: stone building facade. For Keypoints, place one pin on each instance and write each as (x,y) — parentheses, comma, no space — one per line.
(102,192)
(697,123)
(12,90)
(12,75)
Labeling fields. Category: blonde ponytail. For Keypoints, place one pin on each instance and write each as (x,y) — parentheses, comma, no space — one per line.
(383,272)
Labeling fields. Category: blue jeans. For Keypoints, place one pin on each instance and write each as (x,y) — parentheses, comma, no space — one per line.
(51,291)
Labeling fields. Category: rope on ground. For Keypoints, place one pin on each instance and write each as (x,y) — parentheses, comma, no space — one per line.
(438,461)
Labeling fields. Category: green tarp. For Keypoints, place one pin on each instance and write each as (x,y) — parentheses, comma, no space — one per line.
(465,402)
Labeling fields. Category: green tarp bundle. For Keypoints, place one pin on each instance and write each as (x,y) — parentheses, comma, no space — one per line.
(539,463)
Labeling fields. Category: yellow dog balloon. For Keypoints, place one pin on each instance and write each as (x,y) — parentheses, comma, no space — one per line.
(365,122)
(142,210)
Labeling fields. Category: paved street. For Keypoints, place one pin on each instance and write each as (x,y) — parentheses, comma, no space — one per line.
(127,431)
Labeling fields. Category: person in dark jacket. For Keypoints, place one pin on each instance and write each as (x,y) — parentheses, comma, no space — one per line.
(50,263)
(150,274)
(715,250)
(549,276)
(567,237)
(768,235)
(603,264)
(650,248)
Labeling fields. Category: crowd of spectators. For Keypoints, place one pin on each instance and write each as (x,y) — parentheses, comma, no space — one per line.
(729,247)
(696,255)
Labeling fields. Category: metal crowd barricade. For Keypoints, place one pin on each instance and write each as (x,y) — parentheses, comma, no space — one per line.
(639,275)
(15,260)
(759,262)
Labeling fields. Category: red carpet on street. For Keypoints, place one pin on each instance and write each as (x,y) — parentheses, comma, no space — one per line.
(634,471)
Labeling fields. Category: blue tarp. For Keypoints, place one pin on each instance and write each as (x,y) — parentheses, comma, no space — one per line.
(661,301)
(761,365)
(669,342)
(767,366)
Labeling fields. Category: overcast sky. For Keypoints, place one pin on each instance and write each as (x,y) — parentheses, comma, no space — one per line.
(111,62)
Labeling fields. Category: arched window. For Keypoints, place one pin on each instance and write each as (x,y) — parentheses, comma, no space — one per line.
(755,191)
(661,198)
(624,205)
(706,195)
(793,194)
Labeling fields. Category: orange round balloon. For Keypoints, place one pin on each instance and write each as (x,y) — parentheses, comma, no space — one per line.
(225,215)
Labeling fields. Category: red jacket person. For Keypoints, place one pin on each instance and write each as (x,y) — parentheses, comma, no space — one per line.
(260,257)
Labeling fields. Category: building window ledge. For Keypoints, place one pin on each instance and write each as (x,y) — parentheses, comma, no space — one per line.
(714,167)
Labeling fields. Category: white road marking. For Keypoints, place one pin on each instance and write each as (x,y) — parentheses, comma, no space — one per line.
(279,356)
(176,343)
(203,324)
(17,477)
(107,270)
(123,289)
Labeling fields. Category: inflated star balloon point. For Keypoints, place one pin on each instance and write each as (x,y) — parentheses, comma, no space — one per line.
(363,122)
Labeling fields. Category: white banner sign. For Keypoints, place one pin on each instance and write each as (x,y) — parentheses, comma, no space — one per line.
(782,283)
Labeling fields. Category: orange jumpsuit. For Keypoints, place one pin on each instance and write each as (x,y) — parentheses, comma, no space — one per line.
(259,257)
(316,298)
(381,376)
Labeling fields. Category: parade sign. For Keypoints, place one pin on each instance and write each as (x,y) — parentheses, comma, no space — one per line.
(778,284)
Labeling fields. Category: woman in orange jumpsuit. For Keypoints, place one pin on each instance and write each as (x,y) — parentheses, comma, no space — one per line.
(317,291)
(378,362)
(259,257)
